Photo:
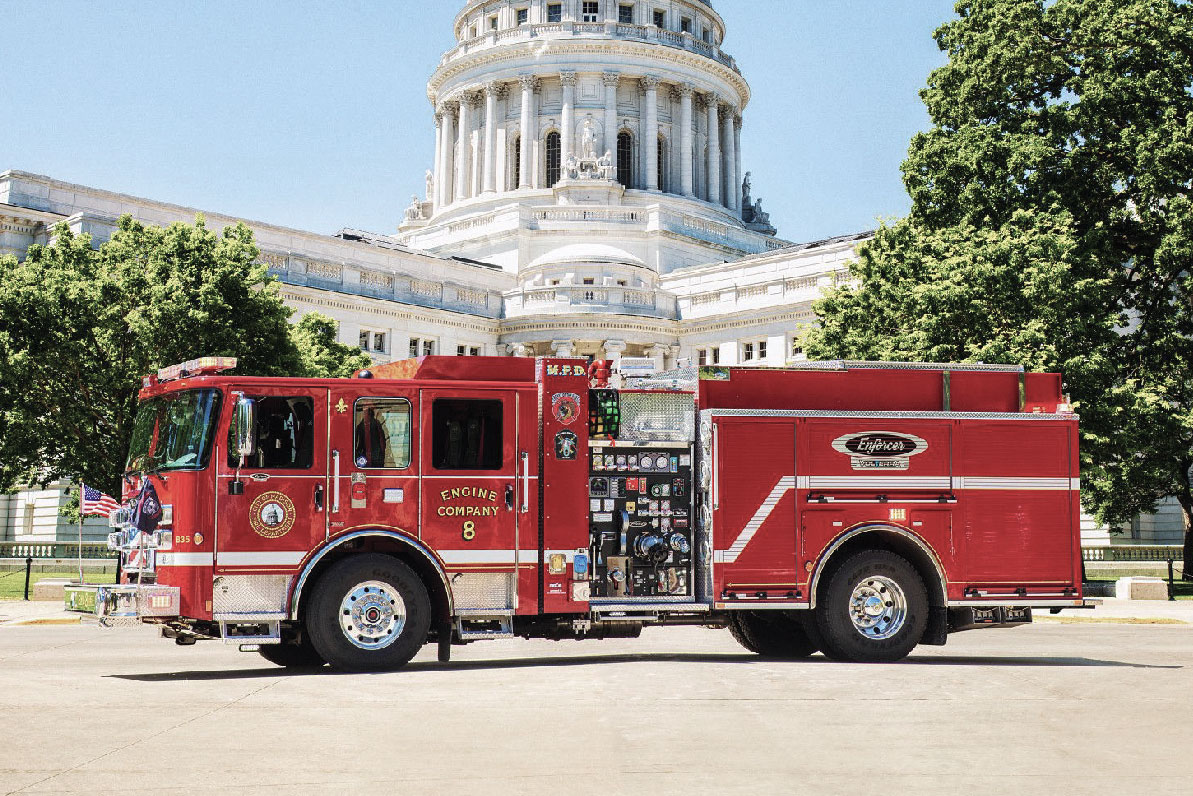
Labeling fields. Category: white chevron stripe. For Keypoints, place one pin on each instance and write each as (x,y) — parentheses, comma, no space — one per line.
(786,484)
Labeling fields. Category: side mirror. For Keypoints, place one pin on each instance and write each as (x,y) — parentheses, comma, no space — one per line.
(246,427)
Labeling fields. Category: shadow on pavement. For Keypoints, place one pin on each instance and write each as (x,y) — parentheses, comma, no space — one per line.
(597,660)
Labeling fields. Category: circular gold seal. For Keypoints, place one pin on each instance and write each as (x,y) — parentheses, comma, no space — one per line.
(272,515)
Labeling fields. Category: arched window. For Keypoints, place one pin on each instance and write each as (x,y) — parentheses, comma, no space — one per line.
(662,164)
(517,180)
(625,159)
(554,170)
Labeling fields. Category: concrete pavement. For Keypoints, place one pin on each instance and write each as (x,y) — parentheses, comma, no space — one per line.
(1044,709)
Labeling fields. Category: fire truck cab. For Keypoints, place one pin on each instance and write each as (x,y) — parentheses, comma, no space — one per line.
(858,509)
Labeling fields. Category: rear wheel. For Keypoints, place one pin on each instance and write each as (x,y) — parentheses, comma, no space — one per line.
(773,634)
(369,613)
(875,609)
(293,656)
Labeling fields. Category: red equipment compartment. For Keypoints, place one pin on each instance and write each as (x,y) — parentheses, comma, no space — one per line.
(754,508)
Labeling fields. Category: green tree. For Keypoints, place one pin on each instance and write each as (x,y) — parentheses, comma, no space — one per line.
(79,327)
(1051,226)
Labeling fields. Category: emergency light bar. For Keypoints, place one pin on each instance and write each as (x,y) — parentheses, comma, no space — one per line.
(203,366)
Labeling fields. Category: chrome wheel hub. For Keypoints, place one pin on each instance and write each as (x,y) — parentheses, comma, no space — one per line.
(372,615)
(878,607)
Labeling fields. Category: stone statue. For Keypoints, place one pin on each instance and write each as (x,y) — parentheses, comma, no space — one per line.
(571,168)
(430,184)
(759,216)
(746,186)
(588,140)
(605,166)
(415,211)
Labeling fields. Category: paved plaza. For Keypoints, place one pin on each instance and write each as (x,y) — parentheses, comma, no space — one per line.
(1050,708)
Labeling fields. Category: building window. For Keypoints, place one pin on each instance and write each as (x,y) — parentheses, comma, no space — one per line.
(518,162)
(466,434)
(382,437)
(702,357)
(555,12)
(662,165)
(523,16)
(590,280)
(747,352)
(621,283)
(762,349)
(372,341)
(797,350)
(468,351)
(625,14)
(591,11)
(660,19)
(492,23)
(421,347)
(625,159)
(707,36)
(554,170)
(30,513)
(685,25)
(474,351)
(472,32)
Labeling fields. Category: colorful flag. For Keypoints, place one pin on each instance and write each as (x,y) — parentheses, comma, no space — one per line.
(97,503)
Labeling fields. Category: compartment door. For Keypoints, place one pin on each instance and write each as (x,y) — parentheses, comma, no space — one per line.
(755,533)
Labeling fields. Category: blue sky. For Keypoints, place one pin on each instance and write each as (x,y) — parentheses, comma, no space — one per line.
(314,114)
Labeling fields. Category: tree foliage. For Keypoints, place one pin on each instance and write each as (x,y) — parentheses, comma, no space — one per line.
(1052,226)
(80,326)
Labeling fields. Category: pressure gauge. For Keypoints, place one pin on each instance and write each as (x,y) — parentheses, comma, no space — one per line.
(660,463)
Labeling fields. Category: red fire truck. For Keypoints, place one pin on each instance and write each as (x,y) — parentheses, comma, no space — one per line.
(852,508)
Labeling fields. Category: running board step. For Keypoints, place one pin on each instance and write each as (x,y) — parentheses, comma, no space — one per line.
(476,625)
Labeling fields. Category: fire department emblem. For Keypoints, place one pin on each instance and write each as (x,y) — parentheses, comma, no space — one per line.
(566,407)
(567,446)
(880,450)
(272,515)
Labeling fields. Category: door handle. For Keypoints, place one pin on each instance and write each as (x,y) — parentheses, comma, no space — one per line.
(318,497)
(525,482)
(509,496)
(335,483)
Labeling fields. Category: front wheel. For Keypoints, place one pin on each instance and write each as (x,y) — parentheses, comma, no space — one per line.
(369,613)
(875,609)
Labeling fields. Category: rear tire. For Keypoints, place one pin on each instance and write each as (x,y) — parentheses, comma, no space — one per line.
(875,609)
(369,613)
(772,634)
(293,656)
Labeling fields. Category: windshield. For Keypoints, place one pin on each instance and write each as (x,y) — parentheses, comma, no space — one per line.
(174,432)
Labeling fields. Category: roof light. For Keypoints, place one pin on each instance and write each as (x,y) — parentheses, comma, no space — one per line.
(204,366)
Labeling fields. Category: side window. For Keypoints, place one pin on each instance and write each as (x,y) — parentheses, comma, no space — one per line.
(285,435)
(382,438)
(466,434)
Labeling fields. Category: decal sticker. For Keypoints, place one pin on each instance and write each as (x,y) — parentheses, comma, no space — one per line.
(880,450)
(341,407)
(567,446)
(272,515)
(566,407)
(198,538)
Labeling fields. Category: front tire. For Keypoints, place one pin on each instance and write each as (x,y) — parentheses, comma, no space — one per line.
(369,613)
(875,609)
(772,634)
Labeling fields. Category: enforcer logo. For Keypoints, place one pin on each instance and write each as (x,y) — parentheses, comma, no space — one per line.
(880,450)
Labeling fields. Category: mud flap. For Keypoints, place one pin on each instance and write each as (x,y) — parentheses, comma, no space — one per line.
(937,632)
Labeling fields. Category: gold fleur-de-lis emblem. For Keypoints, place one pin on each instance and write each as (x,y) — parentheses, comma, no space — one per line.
(341,407)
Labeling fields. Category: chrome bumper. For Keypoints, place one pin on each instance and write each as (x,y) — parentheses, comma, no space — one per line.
(124,604)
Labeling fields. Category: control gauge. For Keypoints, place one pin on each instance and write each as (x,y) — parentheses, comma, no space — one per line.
(660,463)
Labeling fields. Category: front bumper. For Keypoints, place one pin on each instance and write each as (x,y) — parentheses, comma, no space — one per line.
(124,603)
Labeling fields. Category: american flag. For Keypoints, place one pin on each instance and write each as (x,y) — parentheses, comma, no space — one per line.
(97,503)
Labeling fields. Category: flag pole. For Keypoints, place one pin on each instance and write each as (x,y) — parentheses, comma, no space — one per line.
(81,533)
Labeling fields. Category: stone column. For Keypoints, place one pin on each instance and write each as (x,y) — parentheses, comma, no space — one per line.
(730,155)
(686,176)
(528,82)
(563,348)
(444,180)
(714,150)
(489,182)
(464,156)
(614,350)
(567,118)
(659,354)
(739,175)
(437,168)
(650,136)
(611,79)
(516,349)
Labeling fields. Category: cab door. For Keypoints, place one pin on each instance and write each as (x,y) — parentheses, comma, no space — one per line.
(374,459)
(280,515)
(471,497)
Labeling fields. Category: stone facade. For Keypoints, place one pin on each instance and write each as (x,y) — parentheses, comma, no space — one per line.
(587,197)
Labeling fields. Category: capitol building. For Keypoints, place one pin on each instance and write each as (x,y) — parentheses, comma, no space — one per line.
(587,197)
